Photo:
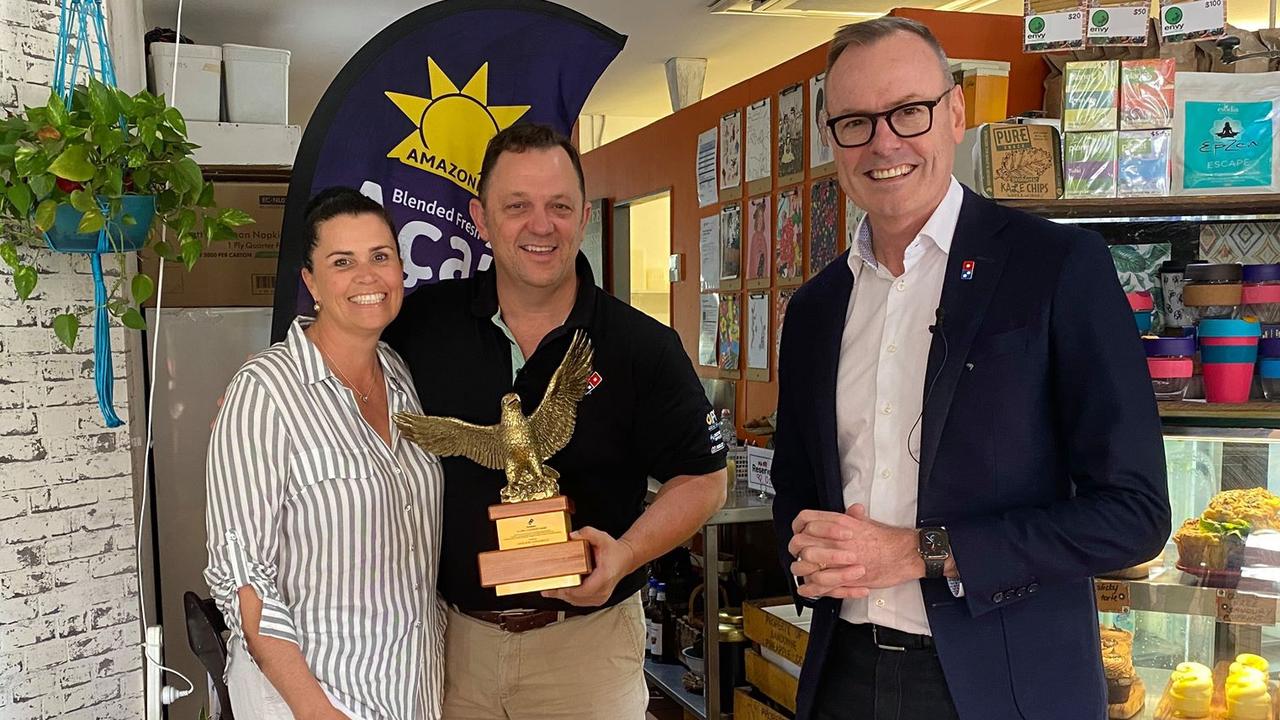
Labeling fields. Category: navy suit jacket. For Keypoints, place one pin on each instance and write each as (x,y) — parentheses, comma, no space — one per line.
(1041,453)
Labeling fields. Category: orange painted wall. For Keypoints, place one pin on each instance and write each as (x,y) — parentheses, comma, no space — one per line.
(661,157)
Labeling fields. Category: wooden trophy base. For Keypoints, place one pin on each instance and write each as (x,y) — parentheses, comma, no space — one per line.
(534,550)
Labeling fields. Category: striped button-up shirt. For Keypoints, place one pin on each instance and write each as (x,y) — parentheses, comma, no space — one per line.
(336,532)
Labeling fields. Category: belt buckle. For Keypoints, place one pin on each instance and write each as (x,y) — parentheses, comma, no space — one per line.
(875,638)
(512,616)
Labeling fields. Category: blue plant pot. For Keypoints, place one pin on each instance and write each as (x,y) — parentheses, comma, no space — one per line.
(63,236)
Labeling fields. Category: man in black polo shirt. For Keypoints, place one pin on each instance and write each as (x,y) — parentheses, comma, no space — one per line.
(577,652)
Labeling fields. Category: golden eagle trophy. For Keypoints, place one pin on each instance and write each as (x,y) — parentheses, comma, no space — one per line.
(534,550)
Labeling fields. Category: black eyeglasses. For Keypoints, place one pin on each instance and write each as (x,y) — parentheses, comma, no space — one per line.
(906,121)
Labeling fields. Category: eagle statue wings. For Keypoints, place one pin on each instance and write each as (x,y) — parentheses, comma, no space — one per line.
(518,444)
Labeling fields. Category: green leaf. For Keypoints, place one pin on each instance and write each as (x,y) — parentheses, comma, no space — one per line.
(186,221)
(91,221)
(73,164)
(9,254)
(163,250)
(217,232)
(191,249)
(132,319)
(21,197)
(115,180)
(57,110)
(141,179)
(45,213)
(24,281)
(41,185)
(28,161)
(175,121)
(117,307)
(235,217)
(66,326)
(142,288)
(206,196)
(102,103)
(82,201)
(190,172)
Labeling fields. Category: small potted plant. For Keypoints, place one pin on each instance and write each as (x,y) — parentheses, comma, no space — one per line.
(91,175)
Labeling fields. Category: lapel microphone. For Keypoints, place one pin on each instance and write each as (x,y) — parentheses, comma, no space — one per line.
(939,316)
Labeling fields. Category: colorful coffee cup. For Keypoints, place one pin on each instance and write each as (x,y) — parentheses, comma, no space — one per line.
(1228,350)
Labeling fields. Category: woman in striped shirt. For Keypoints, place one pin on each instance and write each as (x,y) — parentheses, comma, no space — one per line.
(323,523)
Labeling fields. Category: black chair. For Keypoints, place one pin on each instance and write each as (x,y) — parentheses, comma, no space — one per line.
(205,626)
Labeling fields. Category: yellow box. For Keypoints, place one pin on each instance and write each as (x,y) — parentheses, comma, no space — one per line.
(746,707)
(782,631)
(776,683)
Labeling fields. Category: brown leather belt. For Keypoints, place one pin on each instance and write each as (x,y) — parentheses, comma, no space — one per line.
(517,621)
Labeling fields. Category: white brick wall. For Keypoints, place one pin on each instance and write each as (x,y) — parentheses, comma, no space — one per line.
(68,595)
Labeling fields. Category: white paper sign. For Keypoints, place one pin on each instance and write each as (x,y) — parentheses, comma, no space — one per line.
(759,150)
(1198,20)
(819,152)
(1053,30)
(706,167)
(709,252)
(758,331)
(1106,23)
(707,328)
(759,465)
(731,150)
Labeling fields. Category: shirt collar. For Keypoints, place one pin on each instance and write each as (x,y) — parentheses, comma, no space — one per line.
(484,303)
(311,362)
(940,229)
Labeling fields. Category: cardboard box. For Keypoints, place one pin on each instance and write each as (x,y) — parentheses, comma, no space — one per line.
(985,84)
(774,682)
(775,625)
(1022,162)
(747,707)
(236,273)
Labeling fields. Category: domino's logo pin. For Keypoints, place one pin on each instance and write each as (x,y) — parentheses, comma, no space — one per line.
(966,270)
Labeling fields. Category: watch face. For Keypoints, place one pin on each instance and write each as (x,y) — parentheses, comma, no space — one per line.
(933,542)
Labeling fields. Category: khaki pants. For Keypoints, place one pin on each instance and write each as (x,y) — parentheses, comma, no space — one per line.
(589,667)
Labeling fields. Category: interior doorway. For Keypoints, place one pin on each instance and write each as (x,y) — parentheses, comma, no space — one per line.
(641,249)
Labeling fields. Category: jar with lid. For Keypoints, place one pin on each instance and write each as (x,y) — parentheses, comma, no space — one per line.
(1260,295)
(1172,279)
(1269,370)
(1169,362)
(1213,290)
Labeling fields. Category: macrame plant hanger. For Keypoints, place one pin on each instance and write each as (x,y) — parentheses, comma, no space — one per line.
(80,16)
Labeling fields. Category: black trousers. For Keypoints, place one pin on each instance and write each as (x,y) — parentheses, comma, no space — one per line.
(862,680)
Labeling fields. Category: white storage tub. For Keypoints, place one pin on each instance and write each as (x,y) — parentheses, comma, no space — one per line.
(257,84)
(199,78)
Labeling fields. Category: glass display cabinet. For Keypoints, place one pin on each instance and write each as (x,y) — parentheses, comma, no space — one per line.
(1175,630)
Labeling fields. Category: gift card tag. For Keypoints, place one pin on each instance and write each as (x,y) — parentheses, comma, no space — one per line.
(1197,20)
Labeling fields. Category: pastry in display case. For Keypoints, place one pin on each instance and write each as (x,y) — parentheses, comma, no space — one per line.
(1212,546)
(1125,693)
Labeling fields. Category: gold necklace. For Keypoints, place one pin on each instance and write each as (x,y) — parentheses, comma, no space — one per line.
(373,381)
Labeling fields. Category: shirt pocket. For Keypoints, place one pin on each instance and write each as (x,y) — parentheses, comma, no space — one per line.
(310,466)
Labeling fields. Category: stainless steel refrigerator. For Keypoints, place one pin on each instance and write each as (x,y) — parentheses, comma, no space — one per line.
(199,350)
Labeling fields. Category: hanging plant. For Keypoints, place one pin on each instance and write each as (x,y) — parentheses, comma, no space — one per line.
(109,161)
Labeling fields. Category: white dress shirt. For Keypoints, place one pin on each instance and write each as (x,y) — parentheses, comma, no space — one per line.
(884,353)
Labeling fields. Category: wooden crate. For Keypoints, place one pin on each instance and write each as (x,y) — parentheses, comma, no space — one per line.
(776,633)
(747,707)
(774,682)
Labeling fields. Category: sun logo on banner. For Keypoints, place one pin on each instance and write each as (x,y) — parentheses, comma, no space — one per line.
(453,126)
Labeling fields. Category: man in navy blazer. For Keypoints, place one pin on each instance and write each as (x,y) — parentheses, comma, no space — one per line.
(966,431)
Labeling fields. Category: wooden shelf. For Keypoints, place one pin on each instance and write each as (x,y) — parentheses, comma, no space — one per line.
(1179,208)
(1258,414)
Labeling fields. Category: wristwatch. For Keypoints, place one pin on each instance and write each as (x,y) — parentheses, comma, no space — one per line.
(935,548)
